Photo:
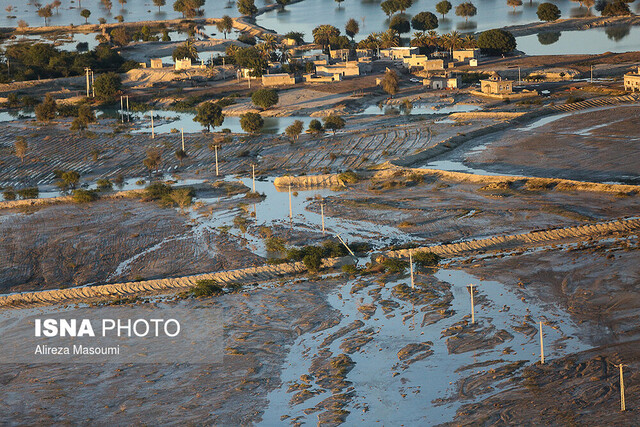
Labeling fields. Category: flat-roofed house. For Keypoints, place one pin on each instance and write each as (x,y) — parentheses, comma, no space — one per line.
(632,81)
(495,85)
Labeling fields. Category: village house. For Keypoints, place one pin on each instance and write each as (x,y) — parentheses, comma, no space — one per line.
(185,64)
(156,63)
(465,55)
(345,69)
(632,81)
(442,82)
(340,54)
(281,79)
(315,78)
(398,52)
(495,85)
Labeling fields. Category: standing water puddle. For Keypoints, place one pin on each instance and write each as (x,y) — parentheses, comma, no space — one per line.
(426,390)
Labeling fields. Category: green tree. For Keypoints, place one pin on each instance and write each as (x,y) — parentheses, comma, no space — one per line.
(153,160)
(185,50)
(514,3)
(548,12)
(389,7)
(225,25)
(181,155)
(78,125)
(247,7)
(424,21)
(339,3)
(322,35)
(390,82)
(21,147)
(443,7)
(251,122)
(56,4)
(209,114)
(315,127)
(333,123)
(107,85)
(265,98)
(67,179)
(400,24)
(295,35)
(46,110)
(250,57)
(496,42)
(120,36)
(352,28)
(159,3)
(283,3)
(294,130)
(45,12)
(85,13)
(616,8)
(86,114)
(403,4)
(466,10)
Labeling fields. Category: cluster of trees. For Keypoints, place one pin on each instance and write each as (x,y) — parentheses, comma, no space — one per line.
(188,8)
(390,7)
(248,7)
(450,41)
(30,61)
(329,37)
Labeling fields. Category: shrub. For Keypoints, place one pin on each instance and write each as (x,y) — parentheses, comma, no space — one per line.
(349,177)
(496,42)
(84,196)
(265,98)
(395,265)
(548,12)
(104,184)
(29,193)
(9,194)
(426,258)
(315,127)
(205,288)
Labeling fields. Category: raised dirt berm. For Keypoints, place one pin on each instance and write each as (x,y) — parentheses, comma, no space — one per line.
(547,184)
(308,181)
(523,240)
(572,24)
(145,287)
(11,204)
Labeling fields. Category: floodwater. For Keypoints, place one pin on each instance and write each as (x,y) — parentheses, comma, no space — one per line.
(419,108)
(418,395)
(131,11)
(593,41)
(308,14)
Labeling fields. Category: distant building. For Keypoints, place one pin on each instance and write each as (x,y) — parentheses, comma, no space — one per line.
(364,53)
(398,52)
(156,63)
(632,81)
(313,57)
(315,78)
(345,69)
(463,55)
(495,85)
(442,82)
(435,65)
(278,79)
(341,54)
(185,64)
(473,63)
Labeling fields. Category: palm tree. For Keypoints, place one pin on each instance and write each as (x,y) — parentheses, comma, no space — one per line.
(433,39)
(270,42)
(469,42)
(389,39)
(452,40)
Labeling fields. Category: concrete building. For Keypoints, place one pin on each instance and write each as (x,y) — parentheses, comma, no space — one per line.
(436,65)
(313,57)
(315,78)
(442,82)
(278,79)
(156,63)
(398,52)
(345,69)
(463,55)
(364,53)
(340,54)
(632,81)
(495,85)
(185,64)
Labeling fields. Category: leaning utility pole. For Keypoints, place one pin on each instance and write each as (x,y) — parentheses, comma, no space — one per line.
(87,70)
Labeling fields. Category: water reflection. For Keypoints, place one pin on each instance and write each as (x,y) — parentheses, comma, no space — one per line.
(549,37)
(617,33)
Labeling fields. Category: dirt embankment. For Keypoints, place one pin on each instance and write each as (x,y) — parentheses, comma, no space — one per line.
(572,24)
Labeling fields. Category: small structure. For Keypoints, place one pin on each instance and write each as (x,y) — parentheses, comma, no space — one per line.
(495,85)
(414,61)
(156,63)
(435,65)
(464,55)
(364,53)
(142,64)
(313,57)
(345,69)
(340,54)
(183,64)
(398,52)
(632,81)
(278,79)
(442,82)
(473,63)
(315,78)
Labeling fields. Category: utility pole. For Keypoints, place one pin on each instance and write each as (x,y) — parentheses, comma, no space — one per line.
(253,176)
(86,71)
(346,246)
(121,109)
(473,311)
(153,133)
(182,133)
(128,117)
(215,148)
(541,346)
(290,208)
(411,269)
(519,77)
(591,74)
(622,403)
(93,88)
(322,216)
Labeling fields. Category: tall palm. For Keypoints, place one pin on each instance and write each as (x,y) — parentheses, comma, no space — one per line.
(452,40)
(418,39)
(389,39)
(433,39)
(469,42)
(270,42)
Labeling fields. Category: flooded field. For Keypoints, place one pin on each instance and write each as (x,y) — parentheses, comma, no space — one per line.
(592,41)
